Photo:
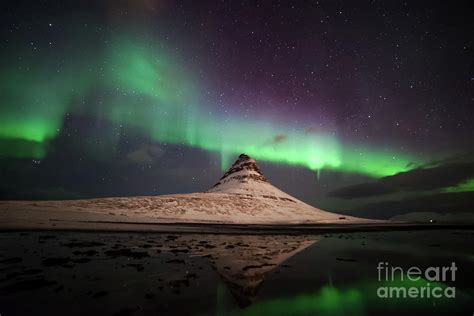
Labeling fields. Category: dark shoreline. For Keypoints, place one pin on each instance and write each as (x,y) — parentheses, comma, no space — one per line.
(247,229)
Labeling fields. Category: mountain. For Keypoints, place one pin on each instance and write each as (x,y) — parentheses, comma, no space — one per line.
(242,196)
(245,178)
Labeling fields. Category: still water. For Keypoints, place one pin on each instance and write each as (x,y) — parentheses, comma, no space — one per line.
(78,273)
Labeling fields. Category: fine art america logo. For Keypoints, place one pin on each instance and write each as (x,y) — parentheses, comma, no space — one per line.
(415,282)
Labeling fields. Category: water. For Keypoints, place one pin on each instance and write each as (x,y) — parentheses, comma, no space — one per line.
(77,273)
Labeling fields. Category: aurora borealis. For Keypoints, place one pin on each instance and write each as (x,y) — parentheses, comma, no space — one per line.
(321,91)
(144,88)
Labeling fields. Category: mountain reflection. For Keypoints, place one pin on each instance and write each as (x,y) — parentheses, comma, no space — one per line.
(244,261)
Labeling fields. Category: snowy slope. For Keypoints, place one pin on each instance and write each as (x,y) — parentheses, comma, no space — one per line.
(243,195)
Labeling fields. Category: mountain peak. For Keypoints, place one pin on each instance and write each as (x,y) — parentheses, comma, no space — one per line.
(243,170)
(245,178)
(244,157)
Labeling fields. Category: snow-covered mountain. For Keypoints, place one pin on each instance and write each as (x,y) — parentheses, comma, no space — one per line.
(243,195)
(245,178)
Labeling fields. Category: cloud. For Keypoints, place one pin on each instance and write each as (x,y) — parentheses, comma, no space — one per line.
(360,190)
(439,202)
(445,174)
(314,130)
(279,138)
(146,154)
(38,193)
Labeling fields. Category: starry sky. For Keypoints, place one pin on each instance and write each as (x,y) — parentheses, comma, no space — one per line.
(362,107)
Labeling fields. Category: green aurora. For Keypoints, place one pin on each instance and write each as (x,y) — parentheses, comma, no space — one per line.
(134,82)
(357,299)
(465,186)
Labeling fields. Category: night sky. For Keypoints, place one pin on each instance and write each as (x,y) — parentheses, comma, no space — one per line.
(363,107)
